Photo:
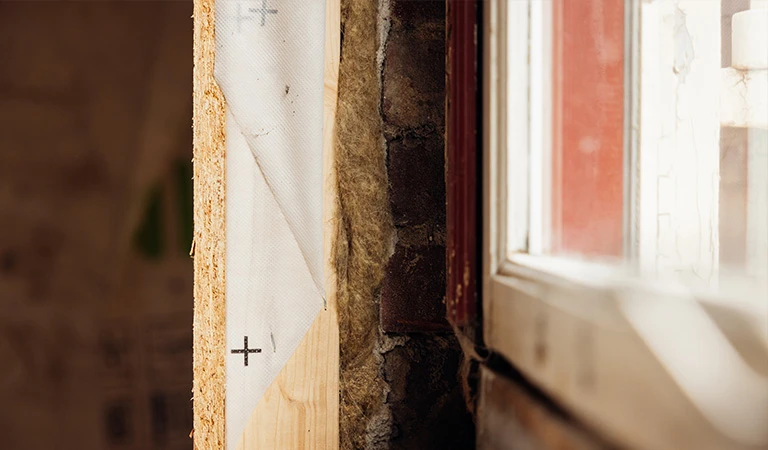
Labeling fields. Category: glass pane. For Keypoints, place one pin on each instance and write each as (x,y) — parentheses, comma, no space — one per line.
(577,160)
(588,128)
(648,134)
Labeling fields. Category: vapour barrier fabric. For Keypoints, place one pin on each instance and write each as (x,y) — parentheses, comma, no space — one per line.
(269,65)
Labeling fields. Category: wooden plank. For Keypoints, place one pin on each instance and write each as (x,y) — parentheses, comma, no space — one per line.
(300,409)
(510,417)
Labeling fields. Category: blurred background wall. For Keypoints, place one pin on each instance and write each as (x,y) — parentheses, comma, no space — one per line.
(95,225)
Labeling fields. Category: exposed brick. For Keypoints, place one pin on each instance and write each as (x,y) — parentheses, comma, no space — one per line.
(425,397)
(413,290)
(425,368)
(417,180)
(414,75)
(413,97)
(429,14)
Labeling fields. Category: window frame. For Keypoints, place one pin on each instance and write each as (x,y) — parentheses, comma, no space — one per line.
(584,333)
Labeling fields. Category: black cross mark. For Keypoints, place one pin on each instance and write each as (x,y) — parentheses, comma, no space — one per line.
(263,11)
(245,350)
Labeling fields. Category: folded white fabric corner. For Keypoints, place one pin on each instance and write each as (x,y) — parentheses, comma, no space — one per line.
(269,65)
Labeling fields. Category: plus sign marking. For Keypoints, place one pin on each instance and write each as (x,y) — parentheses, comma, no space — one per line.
(260,13)
(264,10)
(245,350)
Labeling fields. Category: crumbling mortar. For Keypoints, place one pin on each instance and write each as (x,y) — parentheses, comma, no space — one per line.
(422,132)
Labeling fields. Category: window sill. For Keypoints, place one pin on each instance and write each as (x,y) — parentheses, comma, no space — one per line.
(649,365)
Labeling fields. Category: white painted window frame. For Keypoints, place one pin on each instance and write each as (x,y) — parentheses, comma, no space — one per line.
(647,365)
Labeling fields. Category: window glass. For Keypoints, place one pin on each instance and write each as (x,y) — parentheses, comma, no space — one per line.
(648,135)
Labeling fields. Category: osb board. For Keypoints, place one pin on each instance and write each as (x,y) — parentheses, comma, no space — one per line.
(300,409)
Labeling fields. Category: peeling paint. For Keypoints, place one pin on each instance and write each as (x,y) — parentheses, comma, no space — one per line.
(684,51)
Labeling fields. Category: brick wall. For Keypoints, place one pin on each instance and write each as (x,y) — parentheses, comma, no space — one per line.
(413,83)
(422,357)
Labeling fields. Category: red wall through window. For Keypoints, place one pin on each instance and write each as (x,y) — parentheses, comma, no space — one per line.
(588,127)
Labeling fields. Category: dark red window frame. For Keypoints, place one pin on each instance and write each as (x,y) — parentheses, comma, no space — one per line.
(588,104)
(597,114)
(462,162)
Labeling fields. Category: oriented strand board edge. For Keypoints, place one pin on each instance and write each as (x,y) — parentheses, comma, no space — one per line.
(209,241)
(300,410)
